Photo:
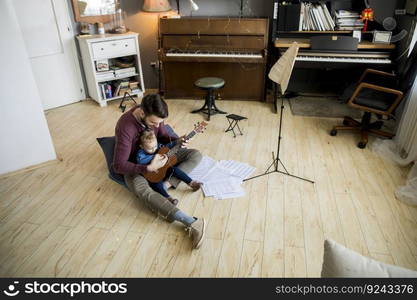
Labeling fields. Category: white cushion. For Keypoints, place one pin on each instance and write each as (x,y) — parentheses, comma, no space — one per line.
(339,261)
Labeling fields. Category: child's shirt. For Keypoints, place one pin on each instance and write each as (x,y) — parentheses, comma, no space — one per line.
(144,158)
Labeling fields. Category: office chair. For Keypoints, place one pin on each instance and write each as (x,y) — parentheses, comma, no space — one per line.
(376,92)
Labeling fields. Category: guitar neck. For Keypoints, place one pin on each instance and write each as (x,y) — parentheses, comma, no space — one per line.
(175,149)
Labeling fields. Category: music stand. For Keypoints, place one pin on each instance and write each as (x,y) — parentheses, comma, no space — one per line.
(280,73)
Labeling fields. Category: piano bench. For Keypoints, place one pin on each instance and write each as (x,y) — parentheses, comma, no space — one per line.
(210,84)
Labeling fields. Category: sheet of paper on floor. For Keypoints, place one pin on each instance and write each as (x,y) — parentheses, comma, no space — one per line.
(221,180)
(230,188)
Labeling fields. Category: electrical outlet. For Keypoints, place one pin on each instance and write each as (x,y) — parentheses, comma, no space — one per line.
(154,64)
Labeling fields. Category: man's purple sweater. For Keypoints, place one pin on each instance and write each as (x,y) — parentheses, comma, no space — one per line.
(128,130)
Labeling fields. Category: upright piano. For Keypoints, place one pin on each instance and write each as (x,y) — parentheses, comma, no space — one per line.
(234,49)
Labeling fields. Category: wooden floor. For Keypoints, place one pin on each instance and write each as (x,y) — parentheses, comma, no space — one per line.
(69,219)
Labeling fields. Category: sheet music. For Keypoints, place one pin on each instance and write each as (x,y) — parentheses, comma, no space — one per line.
(241,170)
(223,179)
(224,189)
(205,166)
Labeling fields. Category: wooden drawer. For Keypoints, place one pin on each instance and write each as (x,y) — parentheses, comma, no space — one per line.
(113,48)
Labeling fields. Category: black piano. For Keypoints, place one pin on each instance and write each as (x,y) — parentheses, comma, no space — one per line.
(322,67)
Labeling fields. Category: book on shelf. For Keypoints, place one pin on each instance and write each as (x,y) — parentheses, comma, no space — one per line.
(348,20)
(341,13)
(108,75)
(125,70)
(125,75)
(101,73)
(120,87)
(103,90)
(315,16)
(117,69)
(133,85)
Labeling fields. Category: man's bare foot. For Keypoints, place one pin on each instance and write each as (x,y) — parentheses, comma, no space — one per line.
(195,185)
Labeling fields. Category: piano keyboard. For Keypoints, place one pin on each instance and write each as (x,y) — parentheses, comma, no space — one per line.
(228,54)
(343,59)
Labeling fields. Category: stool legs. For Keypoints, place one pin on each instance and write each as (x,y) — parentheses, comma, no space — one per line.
(209,106)
(232,125)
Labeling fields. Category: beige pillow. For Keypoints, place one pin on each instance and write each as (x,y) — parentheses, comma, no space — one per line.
(339,261)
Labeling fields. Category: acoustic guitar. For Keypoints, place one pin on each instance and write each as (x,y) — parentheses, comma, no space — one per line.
(160,174)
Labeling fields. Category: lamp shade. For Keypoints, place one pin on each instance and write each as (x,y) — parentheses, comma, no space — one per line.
(156,5)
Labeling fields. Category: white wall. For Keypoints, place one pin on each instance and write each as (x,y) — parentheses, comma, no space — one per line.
(24,133)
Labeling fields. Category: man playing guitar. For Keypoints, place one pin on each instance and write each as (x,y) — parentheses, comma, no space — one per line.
(150,114)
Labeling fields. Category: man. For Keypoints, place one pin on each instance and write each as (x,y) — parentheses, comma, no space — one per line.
(150,114)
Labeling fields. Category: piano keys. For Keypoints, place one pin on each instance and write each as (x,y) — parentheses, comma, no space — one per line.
(367,53)
(213,54)
(345,57)
(230,48)
(325,71)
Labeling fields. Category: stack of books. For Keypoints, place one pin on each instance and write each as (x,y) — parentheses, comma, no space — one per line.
(124,72)
(121,87)
(134,87)
(348,20)
(105,75)
(315,17)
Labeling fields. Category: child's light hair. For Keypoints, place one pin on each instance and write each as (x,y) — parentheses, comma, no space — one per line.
(146,137)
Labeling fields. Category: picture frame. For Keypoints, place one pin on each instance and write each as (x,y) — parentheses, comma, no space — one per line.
(382,37)
(102,65)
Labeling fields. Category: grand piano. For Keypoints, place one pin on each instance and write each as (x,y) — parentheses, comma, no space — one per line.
(231,48)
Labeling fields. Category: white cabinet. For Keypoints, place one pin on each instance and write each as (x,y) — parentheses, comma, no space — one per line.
(115,50)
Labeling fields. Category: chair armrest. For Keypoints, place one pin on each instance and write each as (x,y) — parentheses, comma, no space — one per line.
(377,72)
(365,85)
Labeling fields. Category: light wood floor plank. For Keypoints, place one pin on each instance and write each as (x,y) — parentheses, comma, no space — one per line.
(122,259)
(164,261)
(31,267)
(313,231)
(15,241)
(351,227)
(83,254)
(251,262)
(295,265)
(273,250)
(111,242)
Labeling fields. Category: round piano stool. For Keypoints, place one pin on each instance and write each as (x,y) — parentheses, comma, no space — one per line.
(209,84)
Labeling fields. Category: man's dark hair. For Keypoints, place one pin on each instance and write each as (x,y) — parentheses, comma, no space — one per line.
(153,104)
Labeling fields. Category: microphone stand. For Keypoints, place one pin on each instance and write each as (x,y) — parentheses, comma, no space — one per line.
(276,160)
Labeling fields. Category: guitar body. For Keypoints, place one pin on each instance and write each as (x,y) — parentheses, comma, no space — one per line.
(161,173)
